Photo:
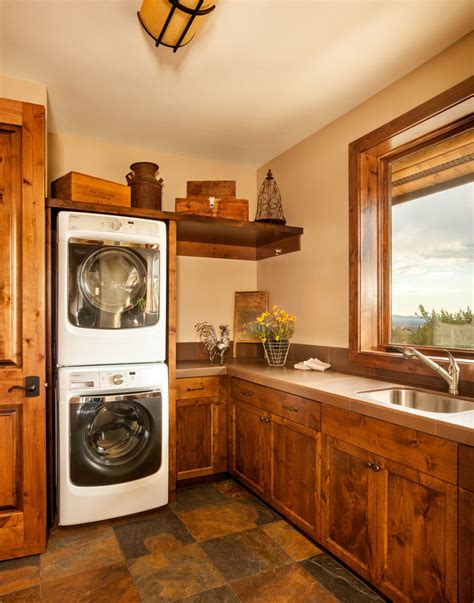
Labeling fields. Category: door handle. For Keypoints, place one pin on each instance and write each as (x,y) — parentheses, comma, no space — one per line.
(31,387)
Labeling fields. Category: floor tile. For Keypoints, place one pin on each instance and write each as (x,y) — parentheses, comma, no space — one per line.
(147,536)
(174,574)
(19,574)
(77,550)
(342,583)
(104,585)
(22,596)
(282,585)
(297,546)
(245,554)
(222,594)
(229,488)
(197,497)
(212,522)
(151,514)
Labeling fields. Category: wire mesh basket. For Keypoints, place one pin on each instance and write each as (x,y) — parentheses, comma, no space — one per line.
(276,352)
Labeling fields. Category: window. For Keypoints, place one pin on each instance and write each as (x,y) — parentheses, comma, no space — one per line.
(412,234)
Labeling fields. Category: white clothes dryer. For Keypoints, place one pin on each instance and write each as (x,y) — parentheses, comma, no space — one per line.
(111,283)
(112,441)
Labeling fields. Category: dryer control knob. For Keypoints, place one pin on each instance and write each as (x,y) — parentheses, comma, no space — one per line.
(116,225)
(117,379)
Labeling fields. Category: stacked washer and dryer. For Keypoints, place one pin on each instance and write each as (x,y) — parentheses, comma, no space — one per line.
(112,398)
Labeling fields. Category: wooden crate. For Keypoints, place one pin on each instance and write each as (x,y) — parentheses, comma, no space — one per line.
(224,189)
(89,189)
(233,209)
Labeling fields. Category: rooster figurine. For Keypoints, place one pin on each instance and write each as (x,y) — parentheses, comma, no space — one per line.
(208,337)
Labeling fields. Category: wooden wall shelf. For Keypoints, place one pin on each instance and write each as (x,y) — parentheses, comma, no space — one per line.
(202,236)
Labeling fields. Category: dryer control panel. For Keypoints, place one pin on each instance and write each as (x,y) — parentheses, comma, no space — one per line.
(101,224)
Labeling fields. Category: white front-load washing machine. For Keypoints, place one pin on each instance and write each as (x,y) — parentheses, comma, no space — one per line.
(112,441)
(111,283)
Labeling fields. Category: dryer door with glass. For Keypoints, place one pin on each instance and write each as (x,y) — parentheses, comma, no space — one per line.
(114,438)
(113,286)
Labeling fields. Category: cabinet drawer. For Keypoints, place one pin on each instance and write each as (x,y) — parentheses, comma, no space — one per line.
(197,387)
(300,410)
(248,392)
(426,453)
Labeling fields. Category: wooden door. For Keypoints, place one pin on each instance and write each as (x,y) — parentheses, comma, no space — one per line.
(201,437)
(294,487)
(348,504)
(250,445)
(466,546)
(418,536)
(22,337)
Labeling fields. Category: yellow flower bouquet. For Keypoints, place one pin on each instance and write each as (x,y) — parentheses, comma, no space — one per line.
(274,329)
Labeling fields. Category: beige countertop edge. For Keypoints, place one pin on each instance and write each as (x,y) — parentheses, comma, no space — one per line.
(336,389)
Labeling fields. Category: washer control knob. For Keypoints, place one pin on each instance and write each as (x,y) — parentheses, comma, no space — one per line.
(117,379)
(116,225)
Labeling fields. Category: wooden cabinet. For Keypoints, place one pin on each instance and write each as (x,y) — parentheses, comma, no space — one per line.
(466,524)
(294,471)
(250,446)
(275,457)
(201,427)
(392,524)
(348,505)
(22,336)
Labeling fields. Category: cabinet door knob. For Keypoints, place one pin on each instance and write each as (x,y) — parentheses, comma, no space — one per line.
(376,467)
(368,464)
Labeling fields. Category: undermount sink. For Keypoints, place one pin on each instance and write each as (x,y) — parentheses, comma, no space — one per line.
(419,399)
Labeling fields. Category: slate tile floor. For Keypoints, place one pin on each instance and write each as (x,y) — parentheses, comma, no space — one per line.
(215,544)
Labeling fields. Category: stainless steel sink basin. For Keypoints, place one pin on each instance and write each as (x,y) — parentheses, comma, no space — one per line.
(419,399)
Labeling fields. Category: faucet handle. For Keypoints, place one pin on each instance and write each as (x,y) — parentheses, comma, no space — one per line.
(453,365)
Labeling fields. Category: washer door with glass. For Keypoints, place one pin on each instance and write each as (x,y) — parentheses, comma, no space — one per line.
(113,285)
(115,439)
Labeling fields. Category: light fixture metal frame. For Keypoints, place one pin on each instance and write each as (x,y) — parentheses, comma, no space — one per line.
(176,5)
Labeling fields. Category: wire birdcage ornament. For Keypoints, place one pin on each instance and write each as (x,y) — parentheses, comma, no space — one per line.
(269,207)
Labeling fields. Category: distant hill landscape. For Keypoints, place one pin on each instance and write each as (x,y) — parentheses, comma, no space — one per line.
(407,321)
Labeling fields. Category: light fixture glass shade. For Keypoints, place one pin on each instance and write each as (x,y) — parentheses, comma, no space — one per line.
(167,20)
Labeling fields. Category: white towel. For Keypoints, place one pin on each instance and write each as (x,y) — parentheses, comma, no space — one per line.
(312,364)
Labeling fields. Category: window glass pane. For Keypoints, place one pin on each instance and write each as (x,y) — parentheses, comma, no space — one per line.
(432,293)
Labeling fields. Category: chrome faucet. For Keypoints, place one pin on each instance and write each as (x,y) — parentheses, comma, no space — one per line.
(451,376)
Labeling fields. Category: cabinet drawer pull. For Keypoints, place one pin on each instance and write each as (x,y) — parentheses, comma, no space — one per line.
(376,467)
(245,392)
(368,464)
(292,408)
(195,389)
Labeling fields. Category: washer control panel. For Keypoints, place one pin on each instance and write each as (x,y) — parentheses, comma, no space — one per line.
(101,224)
(112,378)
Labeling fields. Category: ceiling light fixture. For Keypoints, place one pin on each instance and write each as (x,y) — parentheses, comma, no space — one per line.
(173,23)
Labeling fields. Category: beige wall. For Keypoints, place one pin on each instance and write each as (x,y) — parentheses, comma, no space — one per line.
(22,90)
(205,286)
(313,178)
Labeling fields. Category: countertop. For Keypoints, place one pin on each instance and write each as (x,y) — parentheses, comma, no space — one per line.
(339,389)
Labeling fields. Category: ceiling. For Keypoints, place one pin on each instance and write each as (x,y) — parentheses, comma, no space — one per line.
(260,76)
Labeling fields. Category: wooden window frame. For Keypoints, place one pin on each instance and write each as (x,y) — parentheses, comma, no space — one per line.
(369,224)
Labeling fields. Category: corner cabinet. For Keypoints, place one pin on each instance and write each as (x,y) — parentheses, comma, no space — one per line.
(267,448)
(201,427)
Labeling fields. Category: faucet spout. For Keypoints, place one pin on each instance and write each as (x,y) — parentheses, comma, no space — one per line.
(451,376)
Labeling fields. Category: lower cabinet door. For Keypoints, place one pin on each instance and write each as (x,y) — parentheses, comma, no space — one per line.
(294,487)
(201,437)
(466,546)
(418,536)
(348,505)
(250,445)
